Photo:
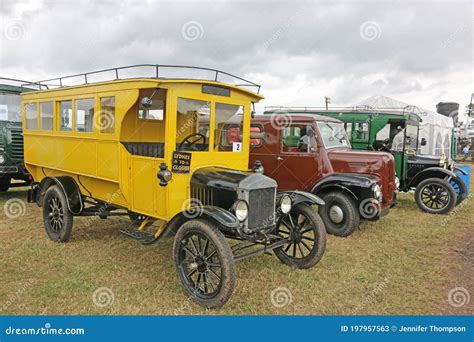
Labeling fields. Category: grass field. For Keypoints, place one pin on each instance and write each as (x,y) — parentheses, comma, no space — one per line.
(406,263)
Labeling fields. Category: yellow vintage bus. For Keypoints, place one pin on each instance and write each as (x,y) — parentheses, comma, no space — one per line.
(154,148)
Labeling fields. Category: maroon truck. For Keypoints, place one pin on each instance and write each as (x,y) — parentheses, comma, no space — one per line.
(312,153)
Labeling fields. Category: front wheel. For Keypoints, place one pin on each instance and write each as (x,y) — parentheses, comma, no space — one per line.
(435,196)
(57,218)
(460,189)
(204,263)
(339,213)
(305,229)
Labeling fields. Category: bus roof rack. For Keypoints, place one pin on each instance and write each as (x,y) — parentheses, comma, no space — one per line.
(353,109)
(13,85)
(155,71)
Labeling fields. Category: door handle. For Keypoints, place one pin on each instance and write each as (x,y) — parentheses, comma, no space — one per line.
(279,158)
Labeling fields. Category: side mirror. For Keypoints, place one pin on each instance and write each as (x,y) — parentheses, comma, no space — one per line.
(423,142)
(146,102)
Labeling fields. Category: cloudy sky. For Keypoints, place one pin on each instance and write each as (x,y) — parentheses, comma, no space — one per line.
(420,52)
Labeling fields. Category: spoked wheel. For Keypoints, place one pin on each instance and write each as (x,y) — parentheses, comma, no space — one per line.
(459,187)
(57,218)
(204,263)
(306,230)
(435,196)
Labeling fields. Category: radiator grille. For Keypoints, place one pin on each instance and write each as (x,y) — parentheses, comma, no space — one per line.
(203,194)
(17,144)
(261,208)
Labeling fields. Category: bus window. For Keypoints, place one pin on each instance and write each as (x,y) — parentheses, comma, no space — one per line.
(107,115)
(85,115)
(31,112)
(65,116)
(228,116)
(193,124)
(46,116)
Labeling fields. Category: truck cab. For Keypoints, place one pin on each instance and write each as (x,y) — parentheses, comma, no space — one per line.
(11,137)
(313,153)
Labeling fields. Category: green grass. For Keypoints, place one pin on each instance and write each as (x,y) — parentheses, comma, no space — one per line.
(405,263)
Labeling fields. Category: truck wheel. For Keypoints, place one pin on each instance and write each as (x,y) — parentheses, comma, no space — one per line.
(5,184)
(339,213)
(204,263)
(57,218)
(306,229)
(459,188)
(435,196)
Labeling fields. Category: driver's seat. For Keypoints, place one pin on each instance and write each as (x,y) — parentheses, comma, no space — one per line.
(145,149)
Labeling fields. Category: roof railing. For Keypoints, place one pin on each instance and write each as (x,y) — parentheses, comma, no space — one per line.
(155,71)
(353,109)
(14,82)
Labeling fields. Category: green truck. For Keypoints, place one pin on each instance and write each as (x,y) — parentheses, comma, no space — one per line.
(12,169)
(438,189)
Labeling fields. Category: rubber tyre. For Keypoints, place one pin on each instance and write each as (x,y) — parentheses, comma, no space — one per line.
(459,183)
(452,196)
(319,247)
(65,231)
(350,212)
(5,184)
(226,259)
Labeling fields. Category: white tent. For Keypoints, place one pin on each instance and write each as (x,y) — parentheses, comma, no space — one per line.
(435,128)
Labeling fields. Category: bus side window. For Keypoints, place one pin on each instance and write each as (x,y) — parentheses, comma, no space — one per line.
(31,115)
(65,116)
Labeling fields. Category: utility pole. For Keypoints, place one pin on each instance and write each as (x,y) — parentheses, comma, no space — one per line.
(327,100)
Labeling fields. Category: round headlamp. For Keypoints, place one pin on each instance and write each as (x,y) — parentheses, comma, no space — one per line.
(397,183)
(241,209)
(377,192)
(2,158)
(285,204)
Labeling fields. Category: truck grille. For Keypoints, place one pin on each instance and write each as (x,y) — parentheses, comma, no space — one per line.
(261,208)
(203,194)
(17,145)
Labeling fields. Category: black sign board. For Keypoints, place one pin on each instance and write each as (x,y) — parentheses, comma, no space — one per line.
(181,162)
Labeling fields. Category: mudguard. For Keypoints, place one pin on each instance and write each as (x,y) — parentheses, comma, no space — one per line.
(70,188)
(431,172)
(460,170)
(301,197)
(345,182)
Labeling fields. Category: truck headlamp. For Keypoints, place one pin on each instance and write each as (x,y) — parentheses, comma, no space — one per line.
(241,209)
(377,192)
(285,204)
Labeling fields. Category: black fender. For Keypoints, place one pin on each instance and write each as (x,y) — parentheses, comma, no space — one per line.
(460,170)
(70,188)
(300,197)
(223,217)
(431,172)
(357,186)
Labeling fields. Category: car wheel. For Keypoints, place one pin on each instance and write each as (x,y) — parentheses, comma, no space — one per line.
(339,213)
(435,196)
(57,218)
(204,263)
(306,230)
(459,188)
(5,184)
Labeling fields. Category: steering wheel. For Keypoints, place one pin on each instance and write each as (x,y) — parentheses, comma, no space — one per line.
(386,146)
(187,140)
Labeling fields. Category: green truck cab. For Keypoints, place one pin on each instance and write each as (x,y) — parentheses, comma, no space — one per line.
(437,187)
(11,136)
